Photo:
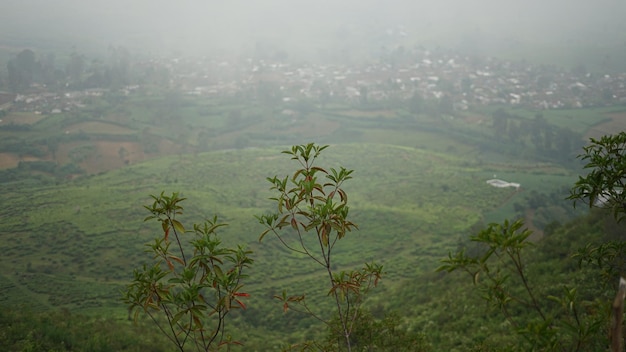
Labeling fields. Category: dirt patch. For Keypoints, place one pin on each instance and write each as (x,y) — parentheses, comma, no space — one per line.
(99,156)
(95,156)
(8,160)
(99,128)
(616,124)
(110,155)
(21,118)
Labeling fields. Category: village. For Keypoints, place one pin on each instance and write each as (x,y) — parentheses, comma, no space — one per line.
(460,82)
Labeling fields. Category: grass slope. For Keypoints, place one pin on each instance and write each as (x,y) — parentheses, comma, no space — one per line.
(74,245)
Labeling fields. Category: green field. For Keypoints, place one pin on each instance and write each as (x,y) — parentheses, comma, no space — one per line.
(71,240)
(74,245)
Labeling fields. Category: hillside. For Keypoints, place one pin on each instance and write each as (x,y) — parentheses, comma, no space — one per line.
(74,183)
(85,236)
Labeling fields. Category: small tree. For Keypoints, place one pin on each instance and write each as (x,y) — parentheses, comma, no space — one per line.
(570,327)
(604,185)
(500,271)
(188,293)
(313,206)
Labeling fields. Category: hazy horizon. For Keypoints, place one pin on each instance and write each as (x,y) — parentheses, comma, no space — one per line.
(313,29)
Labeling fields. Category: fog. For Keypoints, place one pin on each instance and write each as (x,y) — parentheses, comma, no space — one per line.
(101,107)
(313,29)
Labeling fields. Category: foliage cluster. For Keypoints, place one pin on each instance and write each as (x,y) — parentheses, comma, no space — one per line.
(189,295)
(313,203)
(501,273)
(576,323)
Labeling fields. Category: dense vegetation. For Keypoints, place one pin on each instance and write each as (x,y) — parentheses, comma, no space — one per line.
(75,182)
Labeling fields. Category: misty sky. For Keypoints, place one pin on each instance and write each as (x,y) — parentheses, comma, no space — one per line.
(297,26)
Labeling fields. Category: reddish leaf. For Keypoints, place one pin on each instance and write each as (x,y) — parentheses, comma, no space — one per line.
(241,304)
(175,258)
(294,223)
(197,321)
(319,169)
(263,234)
(343,195)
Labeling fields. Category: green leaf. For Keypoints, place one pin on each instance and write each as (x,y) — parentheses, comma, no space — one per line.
(178,226)
(218,272)
(177,317)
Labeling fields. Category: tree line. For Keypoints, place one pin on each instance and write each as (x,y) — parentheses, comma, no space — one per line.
(27,71)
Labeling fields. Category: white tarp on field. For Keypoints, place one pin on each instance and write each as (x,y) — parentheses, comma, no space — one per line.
(502,184)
